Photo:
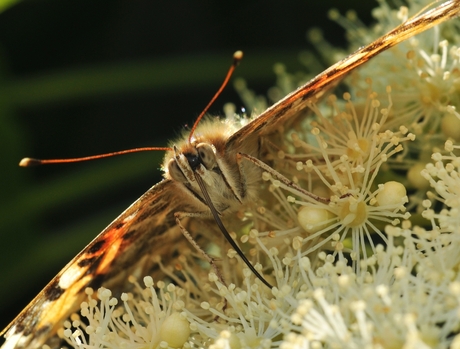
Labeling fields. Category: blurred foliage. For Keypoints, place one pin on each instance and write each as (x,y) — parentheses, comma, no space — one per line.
(4,4)
(88,77)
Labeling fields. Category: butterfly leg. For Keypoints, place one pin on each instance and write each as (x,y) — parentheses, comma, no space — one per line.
(209,259)
(262,165)
(179,216)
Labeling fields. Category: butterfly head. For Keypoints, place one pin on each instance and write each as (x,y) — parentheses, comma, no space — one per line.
(183,165)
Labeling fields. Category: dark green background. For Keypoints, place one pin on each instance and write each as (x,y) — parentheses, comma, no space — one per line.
(87,77)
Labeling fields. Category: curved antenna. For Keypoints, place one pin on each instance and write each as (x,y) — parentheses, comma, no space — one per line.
(28,162)
(237,57)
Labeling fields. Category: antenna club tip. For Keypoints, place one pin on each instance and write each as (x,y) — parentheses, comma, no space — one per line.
(27,162)
(238,56)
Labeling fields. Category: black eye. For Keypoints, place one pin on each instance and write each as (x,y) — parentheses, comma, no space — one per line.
(193,160)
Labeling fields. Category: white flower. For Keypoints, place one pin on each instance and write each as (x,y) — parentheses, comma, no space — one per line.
(422,71)
(384,306)
(150,320)
(443,176)
(353,263)
(344,154)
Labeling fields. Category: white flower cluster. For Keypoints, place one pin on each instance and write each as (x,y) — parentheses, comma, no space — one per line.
(361,252)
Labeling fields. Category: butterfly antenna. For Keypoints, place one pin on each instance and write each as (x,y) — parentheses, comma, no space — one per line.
(237,57)
(28,162)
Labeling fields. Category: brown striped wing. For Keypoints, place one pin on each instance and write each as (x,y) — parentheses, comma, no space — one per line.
(147,227)
(297,100)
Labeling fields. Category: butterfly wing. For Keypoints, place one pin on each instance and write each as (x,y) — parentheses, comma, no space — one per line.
(146,227)
(298,100)
(149,223)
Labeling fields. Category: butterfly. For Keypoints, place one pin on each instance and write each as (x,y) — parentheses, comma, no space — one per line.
(205,177)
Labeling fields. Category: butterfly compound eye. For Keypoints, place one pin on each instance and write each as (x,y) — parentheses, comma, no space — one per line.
(193,160)
(207,155)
